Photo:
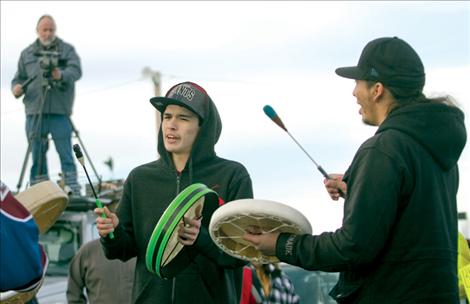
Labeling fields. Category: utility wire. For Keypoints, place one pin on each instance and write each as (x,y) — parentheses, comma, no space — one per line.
(129,82)
(112,86)
(78,95)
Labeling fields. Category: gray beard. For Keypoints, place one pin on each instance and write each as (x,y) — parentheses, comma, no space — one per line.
(48,42)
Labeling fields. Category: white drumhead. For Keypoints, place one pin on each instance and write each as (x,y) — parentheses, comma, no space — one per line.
(230,222)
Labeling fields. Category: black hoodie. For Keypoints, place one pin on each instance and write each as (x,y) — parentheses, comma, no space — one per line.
(212,276)
(398,240)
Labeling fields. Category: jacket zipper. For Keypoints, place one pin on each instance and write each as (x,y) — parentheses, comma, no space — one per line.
(173,288)
(178,185)
(178,180)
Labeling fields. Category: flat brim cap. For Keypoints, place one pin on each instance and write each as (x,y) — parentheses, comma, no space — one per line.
(186,94)
(351,72)
(389,60)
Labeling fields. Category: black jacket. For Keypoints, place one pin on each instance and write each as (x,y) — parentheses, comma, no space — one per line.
(398,240)
(212,276)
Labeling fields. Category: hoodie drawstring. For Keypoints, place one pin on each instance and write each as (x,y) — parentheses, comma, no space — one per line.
(190,171)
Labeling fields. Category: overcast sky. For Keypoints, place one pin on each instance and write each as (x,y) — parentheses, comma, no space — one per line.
(245,54)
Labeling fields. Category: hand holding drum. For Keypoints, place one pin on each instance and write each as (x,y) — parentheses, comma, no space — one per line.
(232,221)
(189,227)
(167,240)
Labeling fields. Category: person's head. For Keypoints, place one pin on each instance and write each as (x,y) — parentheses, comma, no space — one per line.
(180,127)
(389,73)
(46,30)
(183,110)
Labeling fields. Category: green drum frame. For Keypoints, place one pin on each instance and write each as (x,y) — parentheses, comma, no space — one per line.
(168,223)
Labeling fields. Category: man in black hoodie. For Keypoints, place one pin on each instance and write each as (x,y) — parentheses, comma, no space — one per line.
(190,128)
(398,239)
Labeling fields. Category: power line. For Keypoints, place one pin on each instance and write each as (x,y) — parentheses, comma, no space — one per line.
(113,86)
(129,82)
(170,76)
(92,91)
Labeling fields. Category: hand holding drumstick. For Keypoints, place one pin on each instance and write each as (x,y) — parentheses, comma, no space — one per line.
(105,224)
(335,186)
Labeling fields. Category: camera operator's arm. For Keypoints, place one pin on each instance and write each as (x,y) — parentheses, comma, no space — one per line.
(20,77)
(72,70)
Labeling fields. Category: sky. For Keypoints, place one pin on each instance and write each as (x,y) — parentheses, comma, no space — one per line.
(246,54)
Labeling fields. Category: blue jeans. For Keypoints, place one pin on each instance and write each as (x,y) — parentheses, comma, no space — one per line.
(60,128)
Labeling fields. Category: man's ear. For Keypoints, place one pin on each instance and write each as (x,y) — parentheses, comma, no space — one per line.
(378,91)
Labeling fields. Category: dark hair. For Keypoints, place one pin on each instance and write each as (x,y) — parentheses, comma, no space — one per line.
(405,97)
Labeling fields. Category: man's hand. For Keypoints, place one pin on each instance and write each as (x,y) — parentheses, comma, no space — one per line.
(266,242)
(189,230)
(56,74)
(334,184)
(105,225)
(17,90)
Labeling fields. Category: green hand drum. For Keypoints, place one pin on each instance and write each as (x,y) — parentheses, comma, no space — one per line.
(164,247)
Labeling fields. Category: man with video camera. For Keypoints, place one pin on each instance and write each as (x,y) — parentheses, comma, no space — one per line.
(46,75)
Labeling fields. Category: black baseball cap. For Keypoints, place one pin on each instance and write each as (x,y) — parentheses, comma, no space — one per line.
(389,60)
(186,94)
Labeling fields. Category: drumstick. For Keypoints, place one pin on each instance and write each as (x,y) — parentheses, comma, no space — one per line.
(81,160)
(269,111)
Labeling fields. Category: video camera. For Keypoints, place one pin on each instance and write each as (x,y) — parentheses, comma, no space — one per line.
(50,60)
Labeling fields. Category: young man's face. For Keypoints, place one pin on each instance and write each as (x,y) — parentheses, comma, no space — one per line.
(180,127)
(364,96)
(46,31)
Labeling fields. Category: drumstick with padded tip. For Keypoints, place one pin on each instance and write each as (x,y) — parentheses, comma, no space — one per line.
(269,111)
(81,160)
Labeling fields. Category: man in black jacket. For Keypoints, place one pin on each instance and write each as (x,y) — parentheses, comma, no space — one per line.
(398,239)
(190,128)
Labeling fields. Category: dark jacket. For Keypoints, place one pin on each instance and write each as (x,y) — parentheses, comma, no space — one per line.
(60,97)
(212,276)
(398,240)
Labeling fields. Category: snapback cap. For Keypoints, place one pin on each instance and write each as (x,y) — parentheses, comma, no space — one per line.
(186,94)
(389,60)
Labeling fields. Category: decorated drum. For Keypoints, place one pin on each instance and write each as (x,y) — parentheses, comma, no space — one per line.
(231,221)
(45,201)
(164,247)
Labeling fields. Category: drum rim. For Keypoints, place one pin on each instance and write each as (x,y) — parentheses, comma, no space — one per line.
(160,236)
(40,195)
(158,229)
(46,194)
(236,205)
(231,210)
(167,213)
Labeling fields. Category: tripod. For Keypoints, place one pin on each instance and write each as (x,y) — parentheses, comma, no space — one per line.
(37,133)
